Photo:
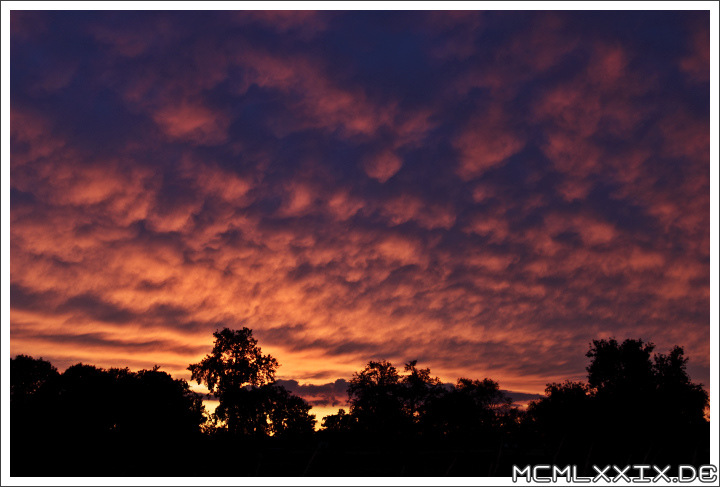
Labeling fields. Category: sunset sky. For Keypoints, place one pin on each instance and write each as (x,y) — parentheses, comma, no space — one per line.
(485,192)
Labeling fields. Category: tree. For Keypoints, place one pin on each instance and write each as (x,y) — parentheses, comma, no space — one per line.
(622,383)
(471,411)
(682,400)
(376,399)
(28,375)
(485,394)
(169,407)
(625,372)
(564,415)
(679,404)
(288,414)
(563,402)
(88,402)
(242,379)
(235,361)
(620,368)
(637,391)
(339,422)
(33,400)
(420,389)
(92,402)
(384,402)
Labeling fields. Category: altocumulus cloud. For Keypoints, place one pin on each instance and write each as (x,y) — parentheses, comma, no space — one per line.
(483,191)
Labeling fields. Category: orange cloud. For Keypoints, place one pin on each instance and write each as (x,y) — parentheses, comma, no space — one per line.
(383,166)
(487,141)
(192,121)
(486,201)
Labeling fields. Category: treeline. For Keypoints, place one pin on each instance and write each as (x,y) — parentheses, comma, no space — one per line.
(89,421)
(636,407)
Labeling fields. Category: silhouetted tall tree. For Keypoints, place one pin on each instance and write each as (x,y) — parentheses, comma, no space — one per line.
(242,379)
(635,404)
(235,363)
(622,383)
(635,391)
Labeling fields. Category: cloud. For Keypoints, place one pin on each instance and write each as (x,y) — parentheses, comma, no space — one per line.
(191,121)
(696,64)
(486,192)
(332,394)
(305,24)
(483,147)
(383,166)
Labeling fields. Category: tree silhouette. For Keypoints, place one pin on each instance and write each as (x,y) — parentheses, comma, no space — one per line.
(564,408)
(27,375)
(376,399)
(633,388)
(683,401)
(622,383)
(93,402)
(620,368)
(384,403)
(33,392)
(91,413)
(634,405)
(170,408)
(287,413)
(340,422)
(470,412)
(242,379)
(637,406)
(679,405)
(563,420)
(420,389)
(235,363)
(87,402)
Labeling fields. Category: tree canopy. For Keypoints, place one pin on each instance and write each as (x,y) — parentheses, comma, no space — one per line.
(636,404)
(27,375)
(242,378)
(235,361)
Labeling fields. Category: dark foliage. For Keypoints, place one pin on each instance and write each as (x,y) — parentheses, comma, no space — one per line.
(636,407)
(376,400)
(88,412)
(242,379)
(28,375)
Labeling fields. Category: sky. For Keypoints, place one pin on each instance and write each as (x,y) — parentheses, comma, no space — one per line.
(483,191)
